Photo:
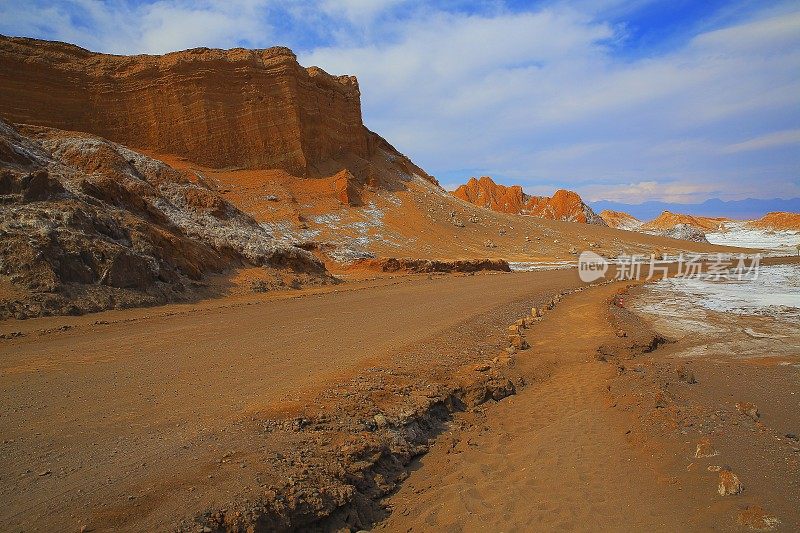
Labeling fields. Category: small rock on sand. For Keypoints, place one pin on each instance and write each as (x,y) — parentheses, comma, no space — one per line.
(686,375)
(748,409)
(729,483)
(518,342)
(756,518)
(705,448)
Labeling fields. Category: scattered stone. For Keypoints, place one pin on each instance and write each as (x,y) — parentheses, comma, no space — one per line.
(490,244)
(380,420)
(748,409)
(272,198)
(705,448)
(686,375)
(714,468)
(729,483)
(573,250)
(518,342)
(621,333)
(513,329)
(661,400)
(791,436)
(756,518)
(481,367)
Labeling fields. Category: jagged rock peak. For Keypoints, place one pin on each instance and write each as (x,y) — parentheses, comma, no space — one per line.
(563,205)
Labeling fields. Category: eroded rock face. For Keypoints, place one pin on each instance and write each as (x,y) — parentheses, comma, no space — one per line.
(220,108)
(563,205)
(484,192)
(253,109)
(87,224)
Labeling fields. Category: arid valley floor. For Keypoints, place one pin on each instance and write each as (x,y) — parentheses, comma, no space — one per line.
(244,311)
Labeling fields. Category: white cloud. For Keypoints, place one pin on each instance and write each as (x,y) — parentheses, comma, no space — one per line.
(770,140)
(547,97)
(542,97)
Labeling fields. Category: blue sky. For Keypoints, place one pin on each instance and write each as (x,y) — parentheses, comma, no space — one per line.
(675,100)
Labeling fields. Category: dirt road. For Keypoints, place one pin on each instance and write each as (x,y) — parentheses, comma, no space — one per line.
(553,458)
(124,403)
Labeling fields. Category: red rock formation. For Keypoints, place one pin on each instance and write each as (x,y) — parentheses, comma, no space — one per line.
(484,192)
(668,220)
(777,221)
(218,108)
(620,220)
(563,205)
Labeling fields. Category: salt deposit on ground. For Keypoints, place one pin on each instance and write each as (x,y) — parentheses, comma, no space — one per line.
(739,234)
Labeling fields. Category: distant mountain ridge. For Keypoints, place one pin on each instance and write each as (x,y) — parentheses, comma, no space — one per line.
(749,209)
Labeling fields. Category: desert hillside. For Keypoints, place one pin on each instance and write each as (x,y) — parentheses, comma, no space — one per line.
(777,221)
(668,220)
(776,232)
(88,224)
(620,220)
(203,163)
(563,205)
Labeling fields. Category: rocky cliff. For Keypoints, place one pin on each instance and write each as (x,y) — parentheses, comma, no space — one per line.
(563,205)
(218,108)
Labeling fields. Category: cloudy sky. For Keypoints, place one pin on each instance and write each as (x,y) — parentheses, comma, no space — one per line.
(627,100)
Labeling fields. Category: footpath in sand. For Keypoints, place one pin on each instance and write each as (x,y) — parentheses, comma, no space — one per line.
(610,434)
(553,457)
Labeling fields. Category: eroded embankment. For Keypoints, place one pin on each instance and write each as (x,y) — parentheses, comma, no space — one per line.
(340,458)
(557,456)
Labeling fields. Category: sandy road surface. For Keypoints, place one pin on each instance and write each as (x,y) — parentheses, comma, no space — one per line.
(94,414)
(552,458)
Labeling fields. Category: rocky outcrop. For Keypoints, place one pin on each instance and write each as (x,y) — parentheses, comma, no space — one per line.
(255,109)
(620,220)
(87,224)
(683,227)
(563,205)
(484,192)
(668,220)
(777,221)
(417,266)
